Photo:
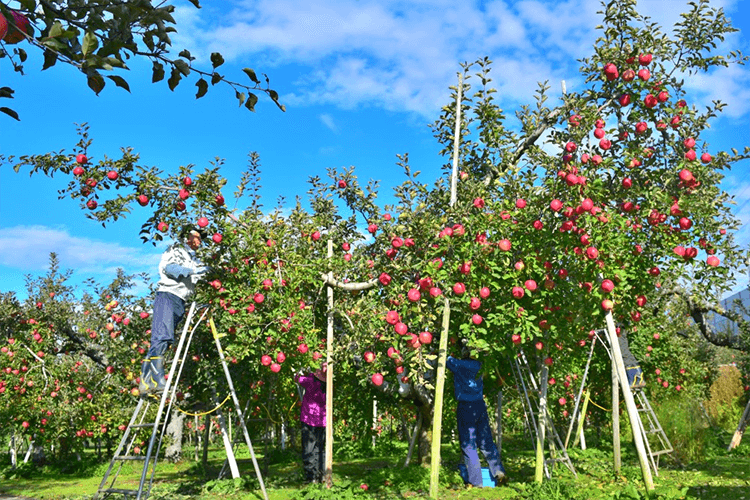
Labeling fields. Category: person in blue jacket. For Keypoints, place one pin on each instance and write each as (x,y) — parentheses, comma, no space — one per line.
(179,271)
(473,423)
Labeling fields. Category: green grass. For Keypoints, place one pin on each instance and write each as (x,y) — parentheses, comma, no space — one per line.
(720,475)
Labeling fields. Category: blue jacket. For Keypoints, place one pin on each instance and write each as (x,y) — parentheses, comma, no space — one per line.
(467,385)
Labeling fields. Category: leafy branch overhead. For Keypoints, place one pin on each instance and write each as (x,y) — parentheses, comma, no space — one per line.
(99,38)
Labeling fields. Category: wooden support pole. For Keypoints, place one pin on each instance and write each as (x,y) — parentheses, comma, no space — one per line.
(437,419)
(740,428)
(329,378)
(640,446)
(616,452)
(541,425)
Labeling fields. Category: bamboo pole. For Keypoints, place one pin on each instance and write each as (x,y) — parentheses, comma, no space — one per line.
(437,419)
(629,403)
(616,452)
(581,421)
(740,429)
(329,378)
(541,425)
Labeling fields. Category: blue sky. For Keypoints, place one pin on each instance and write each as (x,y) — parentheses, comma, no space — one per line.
(361,80)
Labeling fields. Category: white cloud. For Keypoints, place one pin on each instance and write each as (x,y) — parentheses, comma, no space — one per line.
(328,122)
(402,55)
(29,247)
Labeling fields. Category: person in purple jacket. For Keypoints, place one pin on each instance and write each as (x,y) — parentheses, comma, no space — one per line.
(473,423)
(313,420)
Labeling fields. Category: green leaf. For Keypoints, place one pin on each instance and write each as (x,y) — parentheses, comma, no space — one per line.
(240,97)
(158,72)
(90,43)
(195,2)
(174,79)
(186,54)
(216,59)
(50,58)
(95,82)
(21,54)
(56,29)
(182,66)
(9,112)
(202,88)
(119,81)
(215,78)
(251,74)
(251,100)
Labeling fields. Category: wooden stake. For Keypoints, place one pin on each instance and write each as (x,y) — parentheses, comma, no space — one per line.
(740,428)
(329,378)
(616,453)
(629,403)
(437,419)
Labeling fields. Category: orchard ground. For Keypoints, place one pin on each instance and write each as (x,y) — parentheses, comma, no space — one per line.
(721,475)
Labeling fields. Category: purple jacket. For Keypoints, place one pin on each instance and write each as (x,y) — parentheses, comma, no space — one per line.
(313,403)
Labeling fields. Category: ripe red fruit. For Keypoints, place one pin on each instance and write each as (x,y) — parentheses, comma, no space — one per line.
(484,292)
(142,200)
(650,101)
(640,127)
(425,337)
(611,72)
(184,194)
(517,292)
(369,356)
(555,205)
(645,59)
(690,155)
(414,295)
(713,261)
(530,285)
(520,203)
(476,319)
(217,238)
(219,200)
(187,181)
(78,171)
(607,304)
(592,253)
(475,303)
(258,298)
(644,74)
(627,183)
(624,100)
(384,279)
(275,367)
(92,204)
(706,158)
(641,300)
(401,328)
(548,361)
(342,183)
(628,75)
(265,360)
(435,292)
(15,33)
(608,286)
(689,143)
(377,379)
(504,245)
(515,338)
(478,202)
(280,357)
(112,175)
(202,222)
(459,288)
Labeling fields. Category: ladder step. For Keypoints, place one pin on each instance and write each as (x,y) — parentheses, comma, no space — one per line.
(121,491)
(140,426)
(130,457)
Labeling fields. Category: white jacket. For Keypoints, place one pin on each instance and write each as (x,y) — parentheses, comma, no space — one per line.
(179,271)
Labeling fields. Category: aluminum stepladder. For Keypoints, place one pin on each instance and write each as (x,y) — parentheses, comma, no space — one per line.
(656,440)
(167,399)
(527,384)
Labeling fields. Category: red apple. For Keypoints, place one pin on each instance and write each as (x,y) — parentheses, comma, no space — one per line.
(377,379)
(142,200)
(484,292)
(280,357)
(112,175)
(401,328)
(706,158)
(476,319)
(459,288)
(607,304)
(81,159)
(713,261)
(369,356)
(608,286)
(203,222)
(504,245)
(515,338)
(163,227)
(219,200)
(414,295)
(77,171)
(275,367)
(342,183)
(530,285)
(266,360)
(425,337)
(92,204)
(217,238)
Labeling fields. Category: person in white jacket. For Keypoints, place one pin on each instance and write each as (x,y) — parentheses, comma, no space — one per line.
(179,271)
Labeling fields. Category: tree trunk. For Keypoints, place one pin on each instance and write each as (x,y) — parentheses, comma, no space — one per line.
(173,452)
(425,434)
